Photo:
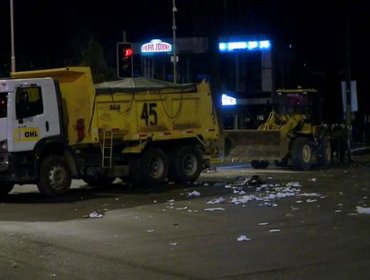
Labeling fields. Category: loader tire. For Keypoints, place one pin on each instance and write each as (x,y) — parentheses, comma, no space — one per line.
(185,164)
(5,188)
(151,167)
(259,164)
(55,176)
(302,153)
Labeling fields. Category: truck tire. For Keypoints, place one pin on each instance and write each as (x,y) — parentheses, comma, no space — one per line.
(324,153)
(185,164)
(98,181)
(302,153)
(55,176)
(5,188)
(259,164)
(151,167)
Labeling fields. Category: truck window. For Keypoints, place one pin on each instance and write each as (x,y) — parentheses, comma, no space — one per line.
(28,102)
(3,104)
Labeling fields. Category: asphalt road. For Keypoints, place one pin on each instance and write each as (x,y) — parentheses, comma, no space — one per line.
(234,223)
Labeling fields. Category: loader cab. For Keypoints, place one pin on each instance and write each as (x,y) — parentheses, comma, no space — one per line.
(305,102)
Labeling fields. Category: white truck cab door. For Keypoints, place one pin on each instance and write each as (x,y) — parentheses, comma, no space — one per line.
(33,114)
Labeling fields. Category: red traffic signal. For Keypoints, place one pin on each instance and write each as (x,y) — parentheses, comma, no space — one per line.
(127,52)
(125,55)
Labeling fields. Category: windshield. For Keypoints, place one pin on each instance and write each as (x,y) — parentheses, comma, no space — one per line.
(294,104)
(3,104)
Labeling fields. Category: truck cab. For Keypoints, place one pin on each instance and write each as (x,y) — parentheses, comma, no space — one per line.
(29,118)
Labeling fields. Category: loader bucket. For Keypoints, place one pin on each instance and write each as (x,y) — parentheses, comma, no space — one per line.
(248,145)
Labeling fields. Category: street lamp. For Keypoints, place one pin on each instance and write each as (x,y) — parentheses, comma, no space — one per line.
(174,10)
(12,59)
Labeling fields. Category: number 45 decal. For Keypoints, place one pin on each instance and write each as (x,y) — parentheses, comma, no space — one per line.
(149,114)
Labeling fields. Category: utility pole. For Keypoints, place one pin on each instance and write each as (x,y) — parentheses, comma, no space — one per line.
(12,58)
(348,88)
(174,10)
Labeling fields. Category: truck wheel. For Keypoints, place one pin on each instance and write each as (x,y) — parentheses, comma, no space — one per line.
(152,166)
(324,152)
(98,181)
(185,164)
(5,188)
(259,164)
(302,153)
(55,176)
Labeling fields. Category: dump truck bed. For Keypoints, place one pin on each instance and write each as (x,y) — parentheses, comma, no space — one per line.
(138,109)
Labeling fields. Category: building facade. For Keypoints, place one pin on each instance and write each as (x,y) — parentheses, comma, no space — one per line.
(246,68)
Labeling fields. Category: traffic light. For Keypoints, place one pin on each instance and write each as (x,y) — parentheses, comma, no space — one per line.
(124,60)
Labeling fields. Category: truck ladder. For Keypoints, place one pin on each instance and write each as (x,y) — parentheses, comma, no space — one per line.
(107,148)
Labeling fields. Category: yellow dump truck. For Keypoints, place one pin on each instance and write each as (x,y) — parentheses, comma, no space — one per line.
(56,125)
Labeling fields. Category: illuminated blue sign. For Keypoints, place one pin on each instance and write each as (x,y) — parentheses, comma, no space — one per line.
(244,46)
(227,100)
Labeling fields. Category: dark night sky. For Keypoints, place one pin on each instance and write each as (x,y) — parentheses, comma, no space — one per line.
(316,28)
(47,31)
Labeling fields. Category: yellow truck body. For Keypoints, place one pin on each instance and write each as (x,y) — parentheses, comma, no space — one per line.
(132,114)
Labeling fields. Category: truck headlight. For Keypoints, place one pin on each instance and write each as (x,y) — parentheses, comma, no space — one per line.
(4,146)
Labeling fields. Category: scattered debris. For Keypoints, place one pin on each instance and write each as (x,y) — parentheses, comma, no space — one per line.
(363,210)
(216,200)
(95,214)
(243,238)
(193,194)
(210,170)
(215,209)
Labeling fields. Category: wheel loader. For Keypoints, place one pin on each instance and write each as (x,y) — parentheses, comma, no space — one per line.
(293,134)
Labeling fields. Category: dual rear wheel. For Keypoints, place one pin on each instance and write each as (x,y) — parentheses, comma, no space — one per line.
(153,166)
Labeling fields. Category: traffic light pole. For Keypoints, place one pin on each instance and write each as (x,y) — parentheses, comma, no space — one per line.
(174,10)
(348,90)
(12,58)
